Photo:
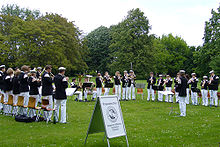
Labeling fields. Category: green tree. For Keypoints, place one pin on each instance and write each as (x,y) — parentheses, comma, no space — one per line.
(98,42)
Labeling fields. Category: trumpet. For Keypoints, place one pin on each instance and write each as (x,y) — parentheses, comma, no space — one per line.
(151,80)
(210,80)
(203,84)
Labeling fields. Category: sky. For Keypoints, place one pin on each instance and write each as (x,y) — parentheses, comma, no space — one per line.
(184,18)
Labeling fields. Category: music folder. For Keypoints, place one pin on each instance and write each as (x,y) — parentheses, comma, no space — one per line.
(109,85)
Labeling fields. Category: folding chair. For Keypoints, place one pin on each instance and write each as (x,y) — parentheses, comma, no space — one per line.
(140,91)
(44,105)
(103,90)
(32,108)
(9,104)
(113,91)
(20,104)
(2,102)
(199,97)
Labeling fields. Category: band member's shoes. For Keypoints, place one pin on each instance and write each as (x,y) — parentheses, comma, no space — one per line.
(86,100)
(80,100)
(93,99)
(76,100)
(133,99)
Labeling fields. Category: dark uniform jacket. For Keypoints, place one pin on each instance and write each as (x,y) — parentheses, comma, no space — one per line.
(182,87)
(38,74)
(214,84)
(169,83)
(117,80)
(98,82)
(16,85)
(8,83)
(124,82)
(133,80)
(205,85)
(47,88)
(23,78)
(177,88)
(194,84)
(34,85)
(160,87)
(149,82)
(61,84)
(2,76)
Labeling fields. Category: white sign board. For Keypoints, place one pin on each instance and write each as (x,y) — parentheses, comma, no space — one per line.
(111,112)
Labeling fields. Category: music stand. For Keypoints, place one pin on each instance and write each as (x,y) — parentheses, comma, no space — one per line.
(109,85)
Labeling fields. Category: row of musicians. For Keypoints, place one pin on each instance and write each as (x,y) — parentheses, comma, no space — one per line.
(211,85)
(127,80)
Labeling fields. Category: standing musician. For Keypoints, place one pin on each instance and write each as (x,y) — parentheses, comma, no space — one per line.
(78,93)
(131,85)
(61,83)
(177,89)
(47,88)
(2,74)
(168,82)
(160,84)
(16,90)
(213,88)
(8,88)
(204,91)
(124,85)
(107,79)
(89,89)
(117,80)
(34,84)
(193,81)
(187,89)
(24,87)
(150,87)
(98,81)
(182,84)
(39,70)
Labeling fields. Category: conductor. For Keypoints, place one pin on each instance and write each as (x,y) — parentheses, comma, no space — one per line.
(182,84)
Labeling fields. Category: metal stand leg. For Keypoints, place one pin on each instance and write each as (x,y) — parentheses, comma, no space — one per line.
(127,140)
(108,142)
(86,138)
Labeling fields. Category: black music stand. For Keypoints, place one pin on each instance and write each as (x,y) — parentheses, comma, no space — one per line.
(109,85)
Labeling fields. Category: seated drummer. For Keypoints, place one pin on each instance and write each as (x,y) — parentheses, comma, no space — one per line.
(77,91)
(87,90)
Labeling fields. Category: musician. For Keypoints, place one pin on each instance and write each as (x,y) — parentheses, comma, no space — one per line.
(124,85)
(213,88)
(61,83)
(187,89)
(204,91)
(24,87)
(107,79)
(193,81)
(99,84)
(182,84)
(160,84)
(168,82)
(34,85)
(2,75)
(38,72)
(89,89)
(78,93)
(177,89)
(16,90)
(151,80)
(8,88)
(47,88)
(131,85)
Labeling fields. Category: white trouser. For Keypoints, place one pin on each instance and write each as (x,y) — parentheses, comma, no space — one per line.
(213,97)
(194,98)
(33,112)
(50,106)
(7,108)
(132,90)
(177,96)
(124,93)
(106,91)
(79,95)
(60,104)
(160,96)
(150,92)
(204,93)
(182,105)
(169,98)
(187,95)
(94,93)
(128,90)
(26,99)
(99,91)
(1,93)
(15,101)
(118,91)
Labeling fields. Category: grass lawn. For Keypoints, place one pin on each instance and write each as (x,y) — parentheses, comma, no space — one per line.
(147,124)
